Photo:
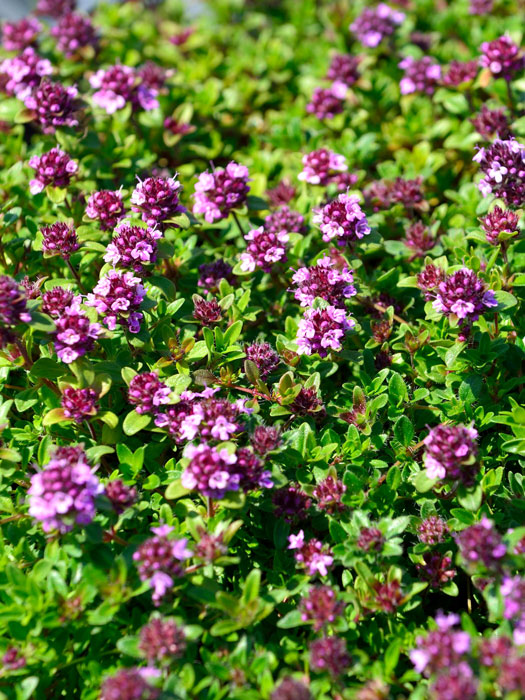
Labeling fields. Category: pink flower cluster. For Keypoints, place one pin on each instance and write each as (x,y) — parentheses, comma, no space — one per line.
(503,165)
(133,247)
(324,281)
(322,330)
(451,452)
(75,334)
(119,85)
(24,72)
(264,249)
(117,297)
(157,199)
(421,75)
(342,219)
(106,207)
(53,168)
(311,554)
(375,24)
(147,392)
(220,191)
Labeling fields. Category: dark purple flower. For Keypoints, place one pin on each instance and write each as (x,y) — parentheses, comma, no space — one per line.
(406,192)
(160,561)
(55,8)
(133,247)
(481,543)
(147,392)
(492,122)
(13,659)
(343,69)
(421,75)
(54,105)
(464,295)
(207,312)
(177,128)
(120,496)
(32,289)
(308,403)
(56,300)
(481,7)
(107,207)
(419,239)
(162,641)
(291,503)
(450,453)
(502,57)
(211,419)
(171,418)
(329,654)
(436,569)
(429,280)
(251,471)
(457,683)
(321,166)
(117,297)
(63,493)
(460,72)
(13,302)
(374,24)
(328,494)
(432,530)
(503,164)
(16,36)
(323,280)
(264,357)
(388,595)
(421,39)
(265,438)
(321,607)
(312,555)
(53,168)
(79,404)
(512,590)
(281,194)
(342,220)
(325,103)
(157,199)
(219,192)
(119,85)
(370,538)
(59,239)
(322,330)
(343,181)
(499,221)
(24,72)
(75,334)
(512,675)
(128,684)
(73,32)
(210,547)
(440,649)
(153,76)
(494,650)
(212,273)
(284,219)
(180,38)
(210,471)
(291,689)
(264,249)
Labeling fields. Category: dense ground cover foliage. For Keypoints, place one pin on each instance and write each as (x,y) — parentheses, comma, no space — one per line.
(261,375)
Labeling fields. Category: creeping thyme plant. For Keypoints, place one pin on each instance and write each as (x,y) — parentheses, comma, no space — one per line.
(262,392)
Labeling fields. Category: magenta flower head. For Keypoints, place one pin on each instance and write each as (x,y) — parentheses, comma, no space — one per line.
(129,684)
(451,452)
(328,494)
(481,544)
(460,72)
(264,249)
(54,105)
(106,207)
(429,279)
(133,247)
(492,122)
(419,239)
(75,334)
(322,166)
(311,555)
(322,330)
(321,607)
(24,72)
(343,69)
(206,312)
(421,75)
(210,471)
(342,219)
(264,357)
(54,168)
(512,590)
(291,504)
(220,191)
(56,300)
(325,103)
(117,297)
(436,569)
(282,193)
(16,36)
(79,404)
(440,649)
(157,199)
(120,496)
(73,32)
(481,7)
(119,85)
(464,295)
(160,561)
(212,273)
(324,281)
(13,302)
(59,239)
(375,24)
(63,493)
(265,438)
(499,221)
(55,8)
(284,219)
(503,164)
(329,654)
(502,57)
(291,689)
(162,641)
(432,530)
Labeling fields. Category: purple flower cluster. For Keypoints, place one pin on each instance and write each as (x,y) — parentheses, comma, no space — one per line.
(13,302)
(499,221)
(322,330)
(370,538)
(512,590)
(16,36)
(265,438)
(147,392)
(63,493)
(284,219)
(211,419)
(481,7)
(54,105)
(133,247)
(159,561)
(329,654)
(53,168)
(24,72)
(503,164)
(328,494)
(282,193)
(291,503)
(441,649)
(157,199)
(450,453)
(432,530)
(374,24)
(117,297)
(491,122)
(120,496)
(342,219)
(79,404)
(56,301)
(308,403)
(436,569)
(220,191)
(73,32)
(419,239)
(429,279)
(464,295)
(502,57)
(129,684)
(343,69)
(59,239)
(421,75)
(460,72)
(162,640)
(322,166)
(206,312)
(75,334)
(312,555)
(264,357)
(264,249)
(212,273)
(321,607)
(291,689)
(324,281)
(55,8)
(107,207)
(482,544)
(119,85)
(325,103)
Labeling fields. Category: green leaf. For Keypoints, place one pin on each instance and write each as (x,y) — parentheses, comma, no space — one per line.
(232,333)
(397,391)
(56,415)
(453,353)
(48,368)
(251,586)
(404,431)
(129,646)
(176,490)
(135,422)
(470,499)
(505,300)
(423,483)
(291,619)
